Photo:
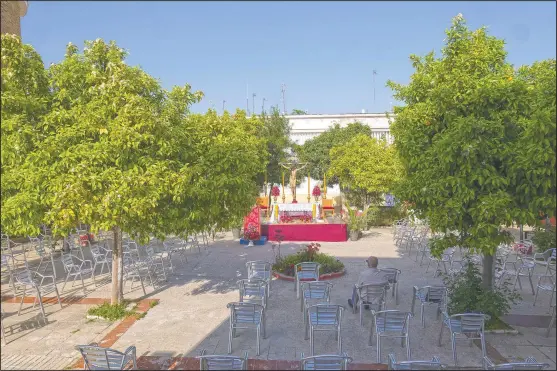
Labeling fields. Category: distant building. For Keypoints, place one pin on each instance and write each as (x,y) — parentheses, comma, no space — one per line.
(12,11)
(305,127)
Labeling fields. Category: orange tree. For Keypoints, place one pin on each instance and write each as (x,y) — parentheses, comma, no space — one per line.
(101,142)
(477,140)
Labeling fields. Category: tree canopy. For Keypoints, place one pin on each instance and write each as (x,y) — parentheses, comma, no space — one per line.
(367,165)
(93,140)
(477,139)
(316,151)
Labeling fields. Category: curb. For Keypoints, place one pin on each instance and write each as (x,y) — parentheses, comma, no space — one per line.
(322,277)
(507,332)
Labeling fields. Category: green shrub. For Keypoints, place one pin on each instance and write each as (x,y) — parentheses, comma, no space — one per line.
(111,312)
(467,295)
(544,240)
(384,216)
(329,264)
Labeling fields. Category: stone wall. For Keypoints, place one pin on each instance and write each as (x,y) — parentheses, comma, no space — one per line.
(12,11)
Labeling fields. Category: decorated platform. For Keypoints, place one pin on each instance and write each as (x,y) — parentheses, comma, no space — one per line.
(318,232)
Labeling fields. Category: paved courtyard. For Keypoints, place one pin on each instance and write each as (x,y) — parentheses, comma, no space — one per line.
(192,314)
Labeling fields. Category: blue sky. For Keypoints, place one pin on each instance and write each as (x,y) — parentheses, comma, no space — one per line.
(324,52)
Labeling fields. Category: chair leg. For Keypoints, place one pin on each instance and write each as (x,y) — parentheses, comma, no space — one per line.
(440,333)
(422,318)
(58,296)
(378,348)
(65,281)
(230,338)
(396,293)
(453,344)
(370,341)
(21,303)
(413,304)
(531,284)
(311,344)
(537,292)
(339,340)
(408,354)
(550,324)
(258,346)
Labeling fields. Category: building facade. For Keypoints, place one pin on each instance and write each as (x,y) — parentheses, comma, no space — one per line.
(305,127)
(12,11)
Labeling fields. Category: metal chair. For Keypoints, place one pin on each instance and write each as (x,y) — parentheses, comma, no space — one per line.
(100,256)
(434,364)
(77,269)
(552,321)
(261,270)
(132,271)
(470,324)
(43,285)
(172,248)
(306,271)
(529,363)
(546,282)
(6,270)
(74,244)
(324,317)
(429,295)
(14,249)
(156,261)
(246,316)
(547,258)
(446,257)
(218,362)
(254,289)
(325,362)
(315,292)
(392,275)
(393,324)
(370,294)
(523,267)
(96,357)
(4,341)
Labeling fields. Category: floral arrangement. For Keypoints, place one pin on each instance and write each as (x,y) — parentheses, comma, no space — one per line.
(291,219)
(312,249)
(251,233)
(316,191)
(275,191)
(329,264)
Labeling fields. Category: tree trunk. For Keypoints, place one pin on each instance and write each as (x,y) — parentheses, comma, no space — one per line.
(487,274)
(116,267)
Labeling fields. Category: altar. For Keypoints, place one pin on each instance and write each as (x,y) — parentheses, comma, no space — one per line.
(294,210)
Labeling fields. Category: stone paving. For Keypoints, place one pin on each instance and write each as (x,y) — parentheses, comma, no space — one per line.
(192,313)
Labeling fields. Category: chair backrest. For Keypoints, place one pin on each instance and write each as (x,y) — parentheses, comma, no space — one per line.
(218,362)
(317,289)
(470,322)
(259,268)
(68,262)
(391,274)
(436,294)
(325,362)
(307,267)
(325,314)
(434,364)
(529,363)
(251,287)
(372,292)
(245,312)
(98,358)
(392,321)
(327,202)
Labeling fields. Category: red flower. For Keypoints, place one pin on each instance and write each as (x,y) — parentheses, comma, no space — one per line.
(275,191)
(316,191)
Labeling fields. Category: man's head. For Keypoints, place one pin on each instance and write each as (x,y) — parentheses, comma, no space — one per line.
(372,262)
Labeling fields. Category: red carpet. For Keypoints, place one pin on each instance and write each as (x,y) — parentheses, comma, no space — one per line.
(322,232)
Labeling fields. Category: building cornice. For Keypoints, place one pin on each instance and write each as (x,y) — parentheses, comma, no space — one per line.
(338,116)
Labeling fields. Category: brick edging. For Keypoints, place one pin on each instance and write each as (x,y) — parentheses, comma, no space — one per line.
(322,277)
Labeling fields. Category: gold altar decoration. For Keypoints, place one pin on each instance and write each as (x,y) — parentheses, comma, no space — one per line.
(276,211)
(309,192)
(324,186)
(313,210)
(283,195)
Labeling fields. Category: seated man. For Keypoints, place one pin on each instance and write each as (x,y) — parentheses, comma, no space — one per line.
(370,275)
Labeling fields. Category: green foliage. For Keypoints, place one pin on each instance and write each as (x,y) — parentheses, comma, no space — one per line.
(275,131)
(112,148)
(316,151)
(111,312)
(356,220)
(461,137)
(329,264)
(545,239)
(366,164)
(298,112)
(467,294)
(384,216)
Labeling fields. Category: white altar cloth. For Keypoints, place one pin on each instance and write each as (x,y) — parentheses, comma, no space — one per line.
(300,207)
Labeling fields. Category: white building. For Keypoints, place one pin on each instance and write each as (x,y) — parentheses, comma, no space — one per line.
(304,127)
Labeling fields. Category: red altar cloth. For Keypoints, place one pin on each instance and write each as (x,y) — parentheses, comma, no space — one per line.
(319,232)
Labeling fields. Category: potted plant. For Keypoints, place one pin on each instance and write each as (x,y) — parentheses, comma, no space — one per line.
(355,219)
(316,192)
(251,234)
(275,192)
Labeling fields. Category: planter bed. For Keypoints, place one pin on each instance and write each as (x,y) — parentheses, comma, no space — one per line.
(326,276)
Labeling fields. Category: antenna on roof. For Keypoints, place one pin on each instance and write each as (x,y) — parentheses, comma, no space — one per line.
(283,91)
(374,72)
